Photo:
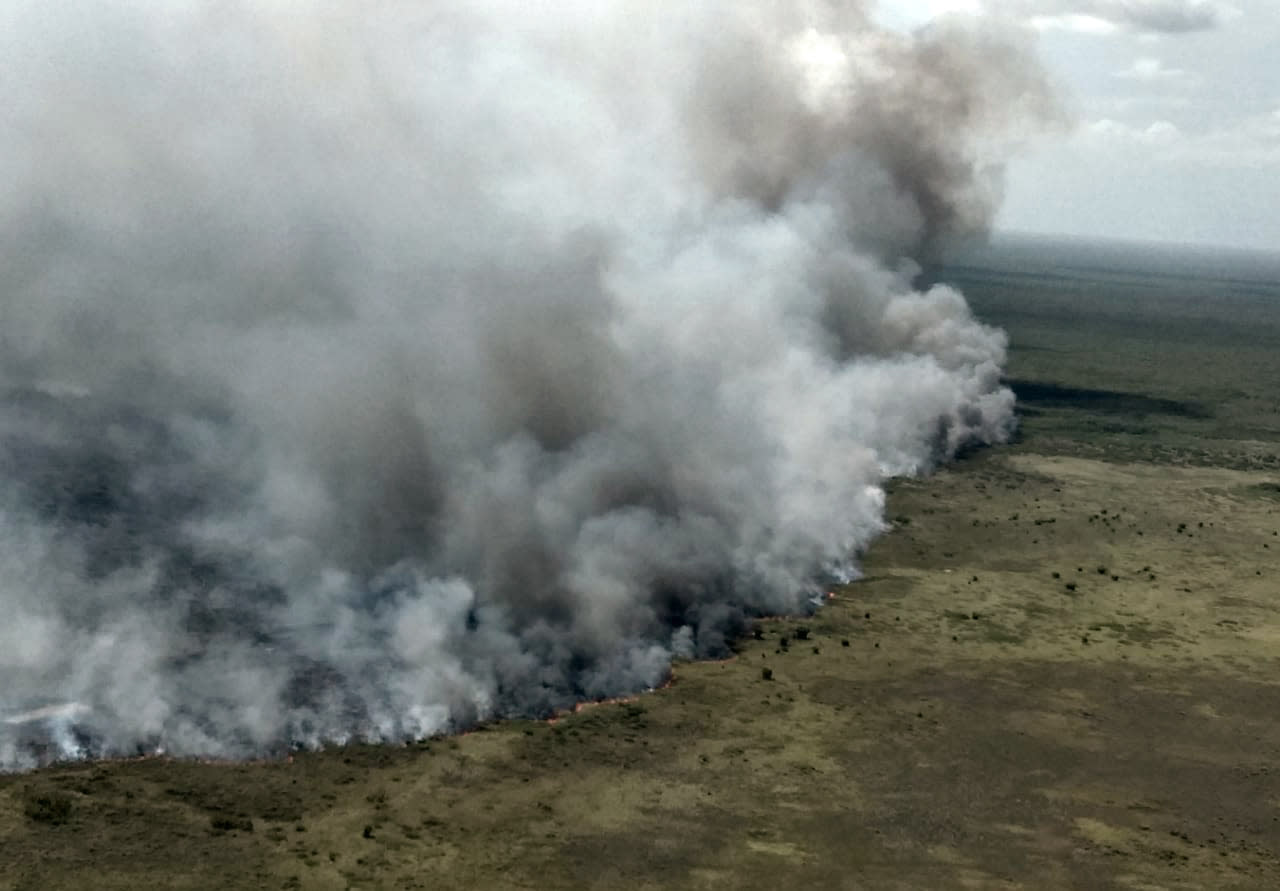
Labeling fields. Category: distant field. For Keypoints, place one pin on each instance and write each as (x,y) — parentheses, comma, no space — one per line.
(1151,353)
(1062,670)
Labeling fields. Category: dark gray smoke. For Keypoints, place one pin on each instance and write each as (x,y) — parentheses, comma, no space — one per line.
(371,369)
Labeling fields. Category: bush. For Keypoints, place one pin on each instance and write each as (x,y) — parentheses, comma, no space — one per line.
(802,633)
(228,824)
(53,808)
(766,674)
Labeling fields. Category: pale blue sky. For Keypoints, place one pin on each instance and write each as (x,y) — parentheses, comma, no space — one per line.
(1175,107)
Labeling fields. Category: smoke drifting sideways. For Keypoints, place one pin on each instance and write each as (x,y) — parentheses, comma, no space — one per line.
(367,371)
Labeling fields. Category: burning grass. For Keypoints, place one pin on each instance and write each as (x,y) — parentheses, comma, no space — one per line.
(984,709)
(964,730)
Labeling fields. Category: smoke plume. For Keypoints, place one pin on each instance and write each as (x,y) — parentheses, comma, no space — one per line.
(367,370)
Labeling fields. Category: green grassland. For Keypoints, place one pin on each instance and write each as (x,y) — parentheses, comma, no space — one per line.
(1062,670)
(1135,353)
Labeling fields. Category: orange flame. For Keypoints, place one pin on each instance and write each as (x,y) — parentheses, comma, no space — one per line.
(579,707)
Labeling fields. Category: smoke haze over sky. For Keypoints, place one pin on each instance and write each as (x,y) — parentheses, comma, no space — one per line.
(371,371)
(1176,107)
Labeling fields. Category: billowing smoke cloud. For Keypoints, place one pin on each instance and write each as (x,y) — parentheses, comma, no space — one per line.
(371,369)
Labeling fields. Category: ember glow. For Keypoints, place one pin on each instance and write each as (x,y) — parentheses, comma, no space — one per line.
(371,370)
(579,707)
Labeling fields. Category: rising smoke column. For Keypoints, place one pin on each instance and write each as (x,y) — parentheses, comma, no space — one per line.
(370,369)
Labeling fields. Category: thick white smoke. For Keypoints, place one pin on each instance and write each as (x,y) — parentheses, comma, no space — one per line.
(370,369)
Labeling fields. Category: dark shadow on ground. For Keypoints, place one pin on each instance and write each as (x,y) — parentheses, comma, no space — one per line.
(1119,402)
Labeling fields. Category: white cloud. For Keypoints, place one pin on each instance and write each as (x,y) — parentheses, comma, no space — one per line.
(944,7)
(1252,141)
(1129,107)
(1165,16)
(1082,16)
(1083,24)
(907,14)
(1179,133)
(1152,71)
(1108,133)
(1106,16)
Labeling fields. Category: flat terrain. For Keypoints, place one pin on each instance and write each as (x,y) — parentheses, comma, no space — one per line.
(1062,670)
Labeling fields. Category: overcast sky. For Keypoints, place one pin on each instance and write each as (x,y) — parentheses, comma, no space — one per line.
(1176,117)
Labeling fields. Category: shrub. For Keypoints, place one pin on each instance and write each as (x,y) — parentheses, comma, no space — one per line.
(766,674)
(227,824)
(53,808)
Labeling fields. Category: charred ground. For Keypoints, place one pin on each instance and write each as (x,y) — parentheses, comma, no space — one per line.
(1059,671)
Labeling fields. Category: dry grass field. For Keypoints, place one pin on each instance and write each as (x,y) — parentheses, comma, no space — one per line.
(1061,670)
